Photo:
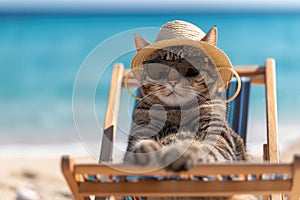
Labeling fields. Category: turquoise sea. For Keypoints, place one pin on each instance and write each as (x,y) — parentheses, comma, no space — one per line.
(40,56)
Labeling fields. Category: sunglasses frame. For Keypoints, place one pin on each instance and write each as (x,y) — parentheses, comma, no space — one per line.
(168,65)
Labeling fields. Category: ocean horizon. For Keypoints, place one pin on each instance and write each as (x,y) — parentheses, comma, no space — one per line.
(41,55)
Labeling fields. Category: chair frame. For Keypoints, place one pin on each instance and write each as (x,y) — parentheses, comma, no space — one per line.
(271,189)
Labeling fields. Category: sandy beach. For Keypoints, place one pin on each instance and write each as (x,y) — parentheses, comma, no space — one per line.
(40,175)
(43,176)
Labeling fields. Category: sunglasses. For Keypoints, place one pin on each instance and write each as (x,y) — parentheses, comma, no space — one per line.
(159,69)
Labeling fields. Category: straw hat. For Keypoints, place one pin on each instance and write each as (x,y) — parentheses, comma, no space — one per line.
(181,33)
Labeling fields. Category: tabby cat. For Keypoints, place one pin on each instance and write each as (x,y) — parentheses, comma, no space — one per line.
(181,119)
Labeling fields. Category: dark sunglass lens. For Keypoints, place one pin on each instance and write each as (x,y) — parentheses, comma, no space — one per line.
(192,72)
(186,69)
(157,71)
(182,68)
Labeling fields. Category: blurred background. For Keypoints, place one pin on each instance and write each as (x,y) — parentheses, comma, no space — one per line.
(44,43)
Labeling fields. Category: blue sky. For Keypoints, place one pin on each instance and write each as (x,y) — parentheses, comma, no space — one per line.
(148,5)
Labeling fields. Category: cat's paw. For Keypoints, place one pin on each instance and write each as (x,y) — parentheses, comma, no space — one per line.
(179,159)
(145,152)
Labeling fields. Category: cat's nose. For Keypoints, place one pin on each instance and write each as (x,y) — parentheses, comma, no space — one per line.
(173,82)
(173,77)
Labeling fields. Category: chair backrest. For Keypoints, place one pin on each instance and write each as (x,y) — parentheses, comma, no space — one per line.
(237,114)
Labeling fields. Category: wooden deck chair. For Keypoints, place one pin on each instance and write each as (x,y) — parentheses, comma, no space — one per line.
(269,178)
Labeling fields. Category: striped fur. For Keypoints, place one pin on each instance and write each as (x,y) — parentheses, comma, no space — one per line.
(199,123)
(188,131)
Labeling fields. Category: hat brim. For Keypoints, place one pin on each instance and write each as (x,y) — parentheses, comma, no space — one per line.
(218,57)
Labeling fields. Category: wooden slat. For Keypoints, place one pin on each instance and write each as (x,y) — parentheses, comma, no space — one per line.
(271,106)
(67,168)
(250,70)
(266,152)
(295,194)
(107,144)
(185,188)
(114,96)
(112,113)
(200,170)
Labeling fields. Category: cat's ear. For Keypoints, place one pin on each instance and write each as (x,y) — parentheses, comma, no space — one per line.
(211,36)
(140,42)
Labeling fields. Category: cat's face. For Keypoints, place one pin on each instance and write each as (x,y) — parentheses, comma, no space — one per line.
(178,75)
